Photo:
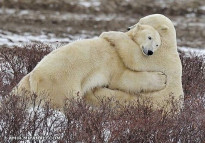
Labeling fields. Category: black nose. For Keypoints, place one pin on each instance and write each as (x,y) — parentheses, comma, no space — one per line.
(128,29)
(150,52)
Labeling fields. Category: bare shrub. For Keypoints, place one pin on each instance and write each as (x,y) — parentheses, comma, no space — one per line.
(146,7)
(25,118)
(17,61)
(193,74)
(20,120)
(174,7)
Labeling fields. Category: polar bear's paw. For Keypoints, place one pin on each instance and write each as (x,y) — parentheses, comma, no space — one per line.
(158,81)
(114,36)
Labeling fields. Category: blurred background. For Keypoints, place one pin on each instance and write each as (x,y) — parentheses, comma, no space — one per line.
(62,21)
(57,22)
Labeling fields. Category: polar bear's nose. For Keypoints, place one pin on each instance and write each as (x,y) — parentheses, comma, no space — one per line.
(150,52)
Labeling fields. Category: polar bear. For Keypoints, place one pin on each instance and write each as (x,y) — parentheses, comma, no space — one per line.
(78,67)
(165,59)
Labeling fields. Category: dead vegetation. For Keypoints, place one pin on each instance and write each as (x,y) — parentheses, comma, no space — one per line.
(83,123)
(68,18)
(175,7)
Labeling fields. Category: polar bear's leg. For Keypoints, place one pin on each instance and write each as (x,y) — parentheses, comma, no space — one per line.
(135,82)
(43,85)
(158,100)
(39,83)
(23,87)
(94,97)
(118,39)
(74,91)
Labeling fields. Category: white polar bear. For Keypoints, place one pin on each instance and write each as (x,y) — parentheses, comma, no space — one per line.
(165,59)
(76,68)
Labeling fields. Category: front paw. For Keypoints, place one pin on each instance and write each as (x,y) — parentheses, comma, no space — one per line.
(160,80)
(109,34)
(113,35)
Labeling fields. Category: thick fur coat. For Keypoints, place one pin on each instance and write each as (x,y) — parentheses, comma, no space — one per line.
(83,65)
(165,59)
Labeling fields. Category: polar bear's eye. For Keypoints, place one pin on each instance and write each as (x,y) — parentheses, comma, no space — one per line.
(150,38)
(157,45)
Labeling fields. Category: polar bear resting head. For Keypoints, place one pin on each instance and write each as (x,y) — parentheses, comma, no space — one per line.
(147,38)
(163,25)
(170,64)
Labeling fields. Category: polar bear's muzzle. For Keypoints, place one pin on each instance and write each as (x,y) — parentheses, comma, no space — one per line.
(150,53)
(147,52)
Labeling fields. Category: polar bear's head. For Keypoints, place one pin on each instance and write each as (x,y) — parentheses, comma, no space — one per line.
(147,38)
(163,25)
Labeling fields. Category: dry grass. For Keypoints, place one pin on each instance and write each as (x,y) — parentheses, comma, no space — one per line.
(80,122)
(175,7)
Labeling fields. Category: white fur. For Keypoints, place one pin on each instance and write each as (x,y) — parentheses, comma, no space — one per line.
(96,80)
(165,59)
(76,68)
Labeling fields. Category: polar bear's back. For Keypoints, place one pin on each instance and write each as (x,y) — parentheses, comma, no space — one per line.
(79,54)
(72,65)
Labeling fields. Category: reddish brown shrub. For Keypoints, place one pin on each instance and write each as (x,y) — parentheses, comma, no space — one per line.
(22,117)
(193,74)
(15,62)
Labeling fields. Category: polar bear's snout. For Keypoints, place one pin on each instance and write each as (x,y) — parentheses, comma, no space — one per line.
(150,52)
(147,51)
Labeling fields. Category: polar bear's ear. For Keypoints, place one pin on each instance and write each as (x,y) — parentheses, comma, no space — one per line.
(164,27)
(139,26)
(131,27)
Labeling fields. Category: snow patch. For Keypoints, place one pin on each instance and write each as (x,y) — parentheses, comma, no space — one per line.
(196,24)
(202,7)
(24,12)
(90,3)
(7,11)
(10,39)
(198,52)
